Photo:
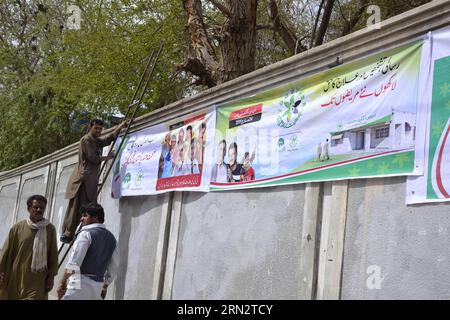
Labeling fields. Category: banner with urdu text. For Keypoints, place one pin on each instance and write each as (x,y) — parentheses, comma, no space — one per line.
(353,121)
(434,148)
(165,157)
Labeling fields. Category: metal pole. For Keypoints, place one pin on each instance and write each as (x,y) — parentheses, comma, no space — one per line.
(132,118)
(70,246)
(132,104)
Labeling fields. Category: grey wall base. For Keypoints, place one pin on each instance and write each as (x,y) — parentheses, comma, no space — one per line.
(273,243)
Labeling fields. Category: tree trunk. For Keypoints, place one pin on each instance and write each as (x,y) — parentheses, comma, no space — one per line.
(201,60)
(316,22)
(325,21)
(238,42)
(288,36)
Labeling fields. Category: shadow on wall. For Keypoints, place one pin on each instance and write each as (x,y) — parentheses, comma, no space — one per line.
(129,208)
(250,194)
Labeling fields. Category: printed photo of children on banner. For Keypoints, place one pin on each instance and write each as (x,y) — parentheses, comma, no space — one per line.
(231,165)
(182,156)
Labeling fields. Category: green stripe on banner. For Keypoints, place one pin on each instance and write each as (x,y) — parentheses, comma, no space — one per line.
(440,112)
(370,124)
(399,163)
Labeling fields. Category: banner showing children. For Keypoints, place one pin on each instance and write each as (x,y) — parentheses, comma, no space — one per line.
(164,158)
(182,160)
(352,121)
(434,148)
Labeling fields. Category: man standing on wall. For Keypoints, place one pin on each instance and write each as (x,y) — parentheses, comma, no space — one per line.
(93,261)
(82,186)
(29,259)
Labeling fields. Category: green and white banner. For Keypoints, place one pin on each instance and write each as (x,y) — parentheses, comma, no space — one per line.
(433,151)
(353,121)
(384,115)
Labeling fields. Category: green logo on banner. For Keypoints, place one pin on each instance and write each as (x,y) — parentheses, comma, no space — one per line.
(280,144)
(290,109)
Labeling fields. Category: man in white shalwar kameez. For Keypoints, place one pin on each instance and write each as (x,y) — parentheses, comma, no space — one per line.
(93,262)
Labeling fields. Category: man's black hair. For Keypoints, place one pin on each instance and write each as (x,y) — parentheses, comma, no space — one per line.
(36,197)
(234,146)
(94,210)
(99,122)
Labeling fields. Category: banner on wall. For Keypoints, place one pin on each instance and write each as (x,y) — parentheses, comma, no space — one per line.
(165,157)
(353,121)
(434,148)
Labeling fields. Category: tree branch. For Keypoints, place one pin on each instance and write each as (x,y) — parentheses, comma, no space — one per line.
(201,60)
(354,20)
(265,26)
(221,7)
(325,22)
(288,36)
(316,23)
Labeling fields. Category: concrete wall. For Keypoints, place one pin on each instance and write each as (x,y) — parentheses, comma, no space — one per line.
(408,246)
(59,204)
(31,182)
(313,241)
(8,196)
(240,245)
(255,244)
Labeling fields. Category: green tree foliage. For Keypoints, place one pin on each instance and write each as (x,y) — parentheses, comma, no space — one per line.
(54,79)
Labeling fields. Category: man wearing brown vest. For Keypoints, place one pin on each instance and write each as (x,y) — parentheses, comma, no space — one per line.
(82,185)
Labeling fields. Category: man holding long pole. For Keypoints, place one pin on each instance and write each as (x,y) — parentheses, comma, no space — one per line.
(82,185)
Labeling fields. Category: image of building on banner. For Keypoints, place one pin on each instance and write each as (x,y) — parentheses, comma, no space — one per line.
(352,121)
(165,157)
(396,131)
